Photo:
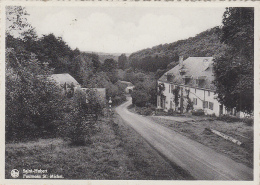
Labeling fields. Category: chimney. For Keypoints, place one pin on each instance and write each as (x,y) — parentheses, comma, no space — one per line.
(181,61)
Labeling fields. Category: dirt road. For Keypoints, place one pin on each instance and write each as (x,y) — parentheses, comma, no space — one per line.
(200,161)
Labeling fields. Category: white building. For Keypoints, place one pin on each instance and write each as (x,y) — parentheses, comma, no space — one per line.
(190,82)
(128,86)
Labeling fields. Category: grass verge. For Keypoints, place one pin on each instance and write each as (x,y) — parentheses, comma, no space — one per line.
(117,152)
(196,130)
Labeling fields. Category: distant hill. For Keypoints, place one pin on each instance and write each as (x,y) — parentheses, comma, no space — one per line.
(103,56)
(204,44)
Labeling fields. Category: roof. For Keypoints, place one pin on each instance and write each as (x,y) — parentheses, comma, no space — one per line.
(193,68)
(64,78)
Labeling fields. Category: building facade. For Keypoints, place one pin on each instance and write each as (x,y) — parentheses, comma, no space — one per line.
(189,86)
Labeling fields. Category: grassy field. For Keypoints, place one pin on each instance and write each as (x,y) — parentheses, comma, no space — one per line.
(196,130)
(116,152)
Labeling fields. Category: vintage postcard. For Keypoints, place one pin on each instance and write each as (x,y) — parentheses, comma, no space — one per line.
(144,92)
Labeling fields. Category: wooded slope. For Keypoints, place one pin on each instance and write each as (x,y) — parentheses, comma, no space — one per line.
(204,44)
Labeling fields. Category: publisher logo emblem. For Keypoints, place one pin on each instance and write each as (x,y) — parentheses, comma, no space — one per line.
(15,173)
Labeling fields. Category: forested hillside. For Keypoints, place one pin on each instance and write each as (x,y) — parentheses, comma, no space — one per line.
(204,44)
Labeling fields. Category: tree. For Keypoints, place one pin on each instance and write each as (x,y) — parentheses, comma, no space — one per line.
(110,67)
(16,22)
(32,101)
(122,61)
(145,92)
(234,70)
(79,126)
(95,62)
(56,52)
(140,98)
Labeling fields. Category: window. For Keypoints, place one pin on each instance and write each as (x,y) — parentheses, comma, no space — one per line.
(194,101)
(205,104)
(186,81)
(208,93)
(211,105)
(195,90)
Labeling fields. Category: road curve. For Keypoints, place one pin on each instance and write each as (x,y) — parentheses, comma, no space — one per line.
(200,161)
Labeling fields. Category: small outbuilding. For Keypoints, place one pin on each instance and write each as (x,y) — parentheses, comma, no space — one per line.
(128,86)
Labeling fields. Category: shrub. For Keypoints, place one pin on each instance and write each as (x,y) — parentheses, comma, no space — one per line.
(33,102)
(118,99)
(248,121)
(198,112)
(140,98)
(230,119)
(144,110)
(171,112)
(79,126)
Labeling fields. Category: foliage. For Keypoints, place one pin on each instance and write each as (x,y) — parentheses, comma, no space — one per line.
(189,105)
(166,56)
(96,64)
(176,92)
(56,52)
(146,111)
(84,109)
(122,61)
(32,101)
(145,93)
(234,70)
(36,104)
(16,22)
(231,119)
(140,98)
(189,102)
(110,67)
(198,112)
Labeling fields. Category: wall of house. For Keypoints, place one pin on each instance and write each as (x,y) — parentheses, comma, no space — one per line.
(211,105)
(197,96)
(169,100)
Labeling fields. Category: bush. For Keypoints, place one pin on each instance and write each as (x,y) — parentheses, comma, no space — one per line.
(230,119)
(33,102)
(248,121)
(79,126)
(118,99)
(146,111)
(140,98)
(172,112)
(198,112)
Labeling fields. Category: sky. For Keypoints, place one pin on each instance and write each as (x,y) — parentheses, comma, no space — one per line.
(122,29)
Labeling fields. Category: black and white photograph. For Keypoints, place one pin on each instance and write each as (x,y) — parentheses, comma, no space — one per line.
(130,91)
